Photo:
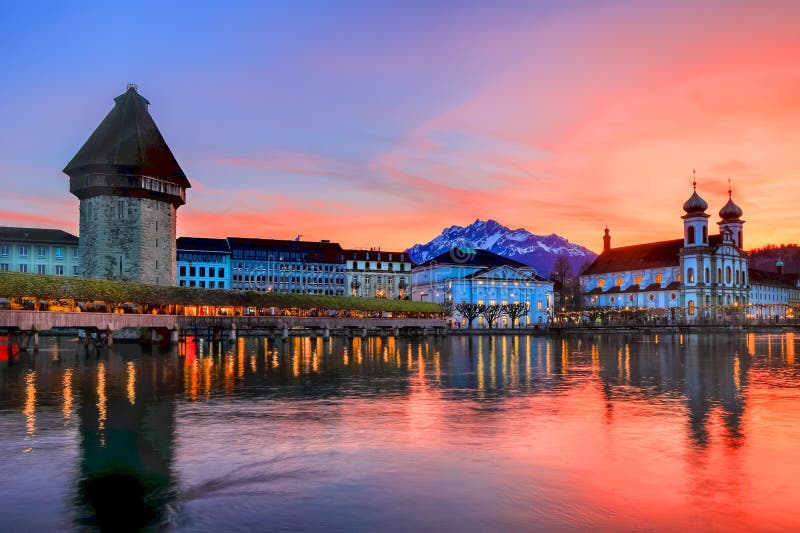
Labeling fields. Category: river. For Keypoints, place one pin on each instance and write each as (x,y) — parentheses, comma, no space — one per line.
(614,432)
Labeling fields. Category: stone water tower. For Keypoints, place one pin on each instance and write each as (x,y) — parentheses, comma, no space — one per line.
(130,187)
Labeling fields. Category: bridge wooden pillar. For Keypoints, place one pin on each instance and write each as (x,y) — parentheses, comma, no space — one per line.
(175,334)
(285,333)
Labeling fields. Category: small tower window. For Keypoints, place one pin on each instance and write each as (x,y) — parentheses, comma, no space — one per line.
(121,209)
(705,235)
(690,235)
(727,274)
(690,275)
(708,275)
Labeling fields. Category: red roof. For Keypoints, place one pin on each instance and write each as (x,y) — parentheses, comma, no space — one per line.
(642,256)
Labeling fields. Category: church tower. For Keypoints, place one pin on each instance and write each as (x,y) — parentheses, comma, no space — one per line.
(130,187)
(731,215)
(695,256)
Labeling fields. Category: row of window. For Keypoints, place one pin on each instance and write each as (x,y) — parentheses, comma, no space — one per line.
(41,251)
(379,266)
(202,284)
(58,270)
(290,279)
(213,272)
(282,267)
(740,278)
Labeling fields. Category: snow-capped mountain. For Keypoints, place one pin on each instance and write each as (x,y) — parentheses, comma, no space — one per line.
(538,251)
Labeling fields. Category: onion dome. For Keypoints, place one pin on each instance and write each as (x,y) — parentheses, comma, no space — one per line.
(730,211)
(695,204)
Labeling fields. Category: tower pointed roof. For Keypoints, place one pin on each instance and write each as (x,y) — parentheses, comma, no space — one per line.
(730,211)
(695,204)
(127,141)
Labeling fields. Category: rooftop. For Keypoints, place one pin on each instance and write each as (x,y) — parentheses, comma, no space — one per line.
(39,235)
(642,256)
(128,141)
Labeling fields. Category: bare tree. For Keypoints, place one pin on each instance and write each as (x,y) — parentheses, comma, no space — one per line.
(448,308)
(469,311)
(516,310)
(491,313)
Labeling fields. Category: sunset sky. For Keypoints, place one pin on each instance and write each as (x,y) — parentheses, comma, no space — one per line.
(378,124)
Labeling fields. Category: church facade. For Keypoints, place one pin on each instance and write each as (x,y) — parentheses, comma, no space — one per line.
(698,276)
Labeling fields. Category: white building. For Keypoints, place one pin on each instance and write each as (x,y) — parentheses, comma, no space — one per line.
(465,275)
(698,276)
(377,274)
(773,295)
(39,251)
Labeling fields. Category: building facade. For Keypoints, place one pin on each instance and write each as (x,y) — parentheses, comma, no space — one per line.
(773,294)
(466,275)
(203,263)
(698,276)
(301,267)
(378,274)
(39,251)
(130,187)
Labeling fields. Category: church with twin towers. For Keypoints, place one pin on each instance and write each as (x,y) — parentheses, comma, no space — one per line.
(699,275)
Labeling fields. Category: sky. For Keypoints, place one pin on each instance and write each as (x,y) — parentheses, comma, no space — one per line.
(379,124)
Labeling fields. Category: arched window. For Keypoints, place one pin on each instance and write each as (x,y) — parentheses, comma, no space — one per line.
(638,280)
(727,274)
(739,239)
(690,235)
(690,275)
(719,275)
(705,234)
(659,278)
(708,275)
(619,281)
(691,307)
(737,277)
(601,282)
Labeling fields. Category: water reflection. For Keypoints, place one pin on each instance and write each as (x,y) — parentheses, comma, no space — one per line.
(161,432)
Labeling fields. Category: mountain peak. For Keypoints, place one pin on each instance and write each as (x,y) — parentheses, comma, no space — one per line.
(538,251)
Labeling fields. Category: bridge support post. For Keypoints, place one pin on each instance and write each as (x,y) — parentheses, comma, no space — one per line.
(285,333)
(396,332)
(35,338)
(326,334)
(364,331)
(109,336)
(175,334)
(233,331)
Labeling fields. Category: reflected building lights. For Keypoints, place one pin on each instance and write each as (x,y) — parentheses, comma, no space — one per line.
(131,382)
(29,409)
(66,408)
(101,402)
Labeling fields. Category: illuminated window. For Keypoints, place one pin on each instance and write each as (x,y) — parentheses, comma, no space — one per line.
(691,307)
(659,278)
(601,283)
(638,280)
(619,282)
(690,275)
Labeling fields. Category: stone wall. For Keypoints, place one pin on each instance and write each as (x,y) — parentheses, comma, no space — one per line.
(130,239)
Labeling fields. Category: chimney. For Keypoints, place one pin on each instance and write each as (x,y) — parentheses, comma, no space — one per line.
(606,241)
(779,267)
